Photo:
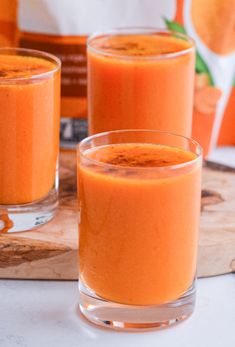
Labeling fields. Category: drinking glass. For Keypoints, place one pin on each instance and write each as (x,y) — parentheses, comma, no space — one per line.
(29,138)
(139,195)
(140,78)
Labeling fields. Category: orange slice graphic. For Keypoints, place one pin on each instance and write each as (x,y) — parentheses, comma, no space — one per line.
(206,96)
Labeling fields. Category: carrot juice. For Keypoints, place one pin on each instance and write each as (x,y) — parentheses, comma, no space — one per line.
(139,218)
(140,80)
(29,125)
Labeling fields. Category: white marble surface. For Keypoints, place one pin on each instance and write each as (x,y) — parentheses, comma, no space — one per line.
(44,313)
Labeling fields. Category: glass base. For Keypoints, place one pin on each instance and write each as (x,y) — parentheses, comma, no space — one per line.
(131,317)
(17,218)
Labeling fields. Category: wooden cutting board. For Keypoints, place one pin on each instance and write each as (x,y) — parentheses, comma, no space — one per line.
(50,252)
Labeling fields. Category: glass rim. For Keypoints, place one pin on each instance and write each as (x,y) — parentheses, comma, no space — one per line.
(34,53)
(140,30)
(198,150)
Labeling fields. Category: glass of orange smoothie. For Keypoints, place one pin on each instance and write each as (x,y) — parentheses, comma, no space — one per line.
(139,195)
(140,79)
(29,138)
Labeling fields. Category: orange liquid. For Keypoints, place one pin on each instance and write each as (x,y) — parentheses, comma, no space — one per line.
(127,90)
(139,226)
(29,128)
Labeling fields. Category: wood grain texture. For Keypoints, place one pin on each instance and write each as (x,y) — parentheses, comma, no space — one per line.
(217,224)
(50,252)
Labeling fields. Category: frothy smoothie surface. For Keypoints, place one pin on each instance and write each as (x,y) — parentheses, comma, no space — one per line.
(141,155)
(29,127)
(139,45)
(140,81)
(19,66)
(138,228)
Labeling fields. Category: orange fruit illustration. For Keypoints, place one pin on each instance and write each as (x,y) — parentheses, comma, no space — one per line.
(206,96)
(214,22)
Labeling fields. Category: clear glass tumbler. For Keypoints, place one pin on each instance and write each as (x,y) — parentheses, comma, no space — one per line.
(140,78)
(29,138)
(139,194)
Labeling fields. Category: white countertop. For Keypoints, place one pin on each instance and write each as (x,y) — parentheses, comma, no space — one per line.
(44,313)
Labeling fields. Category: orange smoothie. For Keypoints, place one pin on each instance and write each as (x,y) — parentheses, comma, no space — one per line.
(139,222)
(29,127)
(140,81)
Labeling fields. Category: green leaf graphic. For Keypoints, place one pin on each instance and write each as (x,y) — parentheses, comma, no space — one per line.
(174,26)
(201,66)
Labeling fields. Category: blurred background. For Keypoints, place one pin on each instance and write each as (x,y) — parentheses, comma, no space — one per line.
(62,27)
